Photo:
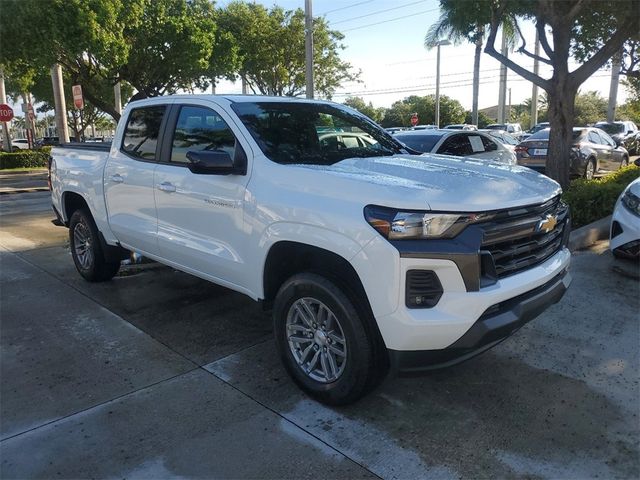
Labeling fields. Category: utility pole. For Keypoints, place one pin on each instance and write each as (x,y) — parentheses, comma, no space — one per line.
(6,138)
(117,94)
(534,89)
(509,114)
(502,94)
(439,44)
(613,88)
(60,103)
(245,87)
(308,45)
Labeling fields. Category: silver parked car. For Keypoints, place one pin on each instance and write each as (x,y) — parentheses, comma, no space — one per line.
(459,143)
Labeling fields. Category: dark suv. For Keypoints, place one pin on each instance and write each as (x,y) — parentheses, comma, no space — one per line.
(623,133)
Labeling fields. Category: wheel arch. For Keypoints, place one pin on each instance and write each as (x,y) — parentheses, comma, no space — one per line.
(72,201)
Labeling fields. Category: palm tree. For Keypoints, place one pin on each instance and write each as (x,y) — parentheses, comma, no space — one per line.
(467,24)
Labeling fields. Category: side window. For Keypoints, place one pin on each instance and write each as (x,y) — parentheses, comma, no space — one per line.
(141,133)
(594,138)
(200,128)
(457,145)
(606,139)
(488,145)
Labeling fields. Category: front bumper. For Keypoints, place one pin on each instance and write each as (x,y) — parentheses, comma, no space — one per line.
(625,231)
(497,323)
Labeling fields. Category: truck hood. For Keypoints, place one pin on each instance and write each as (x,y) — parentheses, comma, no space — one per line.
(440,182)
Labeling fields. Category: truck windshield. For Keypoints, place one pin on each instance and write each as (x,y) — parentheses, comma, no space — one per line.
(313,133)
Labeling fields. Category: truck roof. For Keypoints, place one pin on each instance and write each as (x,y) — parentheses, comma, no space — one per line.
(239,98)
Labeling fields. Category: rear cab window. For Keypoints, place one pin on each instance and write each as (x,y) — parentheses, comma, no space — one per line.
(140,139)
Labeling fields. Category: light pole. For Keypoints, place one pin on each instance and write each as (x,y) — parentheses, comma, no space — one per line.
(438,44)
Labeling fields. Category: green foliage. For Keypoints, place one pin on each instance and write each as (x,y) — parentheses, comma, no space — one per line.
(590,107)
(591,200)
(24,159)
(399,115)
(357,103)
(271,50)
(483,120)
(631,109)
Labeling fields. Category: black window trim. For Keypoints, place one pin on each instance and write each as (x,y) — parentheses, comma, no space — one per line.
(161,130)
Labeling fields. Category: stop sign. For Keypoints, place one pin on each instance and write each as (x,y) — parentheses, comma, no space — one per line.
(414,119)
(6,113)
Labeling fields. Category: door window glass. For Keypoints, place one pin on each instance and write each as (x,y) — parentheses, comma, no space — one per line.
(595,138)
(457,145)
(201,128)
(606,139)
(141,133)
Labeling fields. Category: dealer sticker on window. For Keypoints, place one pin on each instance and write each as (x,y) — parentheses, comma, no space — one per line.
(539,152)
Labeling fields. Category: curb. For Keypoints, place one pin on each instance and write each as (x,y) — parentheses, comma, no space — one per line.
(7,173)
(587,235)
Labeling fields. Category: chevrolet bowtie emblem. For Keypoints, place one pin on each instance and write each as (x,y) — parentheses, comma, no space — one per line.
(547,224)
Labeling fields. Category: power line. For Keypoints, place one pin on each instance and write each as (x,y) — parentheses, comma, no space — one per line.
(391,20)
(378,12)
(345,7)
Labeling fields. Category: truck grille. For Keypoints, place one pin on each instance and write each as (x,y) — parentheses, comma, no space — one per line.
(521,238)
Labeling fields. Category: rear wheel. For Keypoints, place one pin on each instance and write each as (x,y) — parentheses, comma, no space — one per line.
(590,169)
(86,249)
(323,341)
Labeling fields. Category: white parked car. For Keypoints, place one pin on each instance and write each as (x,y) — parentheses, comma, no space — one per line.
(459,143)
(20,144)
(369,258)
(625,223)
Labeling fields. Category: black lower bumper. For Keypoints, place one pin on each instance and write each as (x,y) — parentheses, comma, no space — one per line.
(496,323)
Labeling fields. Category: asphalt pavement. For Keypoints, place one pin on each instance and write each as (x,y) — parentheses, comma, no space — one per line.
(159,374)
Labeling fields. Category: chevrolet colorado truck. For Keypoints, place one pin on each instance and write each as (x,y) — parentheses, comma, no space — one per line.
(370,257)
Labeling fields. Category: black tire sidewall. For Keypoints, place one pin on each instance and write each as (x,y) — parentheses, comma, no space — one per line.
(99,270)
(354,379)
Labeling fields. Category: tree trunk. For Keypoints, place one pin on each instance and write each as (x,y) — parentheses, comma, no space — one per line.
(476,74)
(560,116)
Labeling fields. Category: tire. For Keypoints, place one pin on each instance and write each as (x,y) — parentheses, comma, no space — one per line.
(86,249)
(590,169)
(303,304)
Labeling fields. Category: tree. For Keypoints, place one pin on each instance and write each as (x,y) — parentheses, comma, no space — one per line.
(590,107)
(631,109)
(357,103)
(271,54)
(451,111)
(157,46)
(574,27)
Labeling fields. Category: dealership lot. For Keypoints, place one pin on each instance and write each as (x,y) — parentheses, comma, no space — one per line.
(160,374)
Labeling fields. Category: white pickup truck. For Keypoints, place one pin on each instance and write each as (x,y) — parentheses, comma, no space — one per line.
(371,258)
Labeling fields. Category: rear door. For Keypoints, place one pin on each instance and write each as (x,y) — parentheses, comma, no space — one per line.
(603,150)
(200,216)
(128,180)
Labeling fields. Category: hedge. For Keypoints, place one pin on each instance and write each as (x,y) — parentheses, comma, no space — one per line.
(25,159)
(591,200)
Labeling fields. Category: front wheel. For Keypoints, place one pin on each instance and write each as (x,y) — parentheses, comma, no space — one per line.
(86,249)
(323,341)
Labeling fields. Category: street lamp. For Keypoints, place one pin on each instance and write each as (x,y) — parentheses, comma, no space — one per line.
(438,44)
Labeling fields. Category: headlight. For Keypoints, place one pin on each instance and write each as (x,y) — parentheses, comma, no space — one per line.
(411,225)
(631,201)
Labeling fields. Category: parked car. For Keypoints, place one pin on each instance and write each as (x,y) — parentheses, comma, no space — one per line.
(20,143)
(461,126)
(424,127)
(625,223)
(624,134)
(503,137)
(593,152)
(369,257)
(392,130)
(536,128)
(513,128)
(47,141)
(457,143)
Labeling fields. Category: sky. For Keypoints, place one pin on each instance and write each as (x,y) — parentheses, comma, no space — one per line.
(384,40)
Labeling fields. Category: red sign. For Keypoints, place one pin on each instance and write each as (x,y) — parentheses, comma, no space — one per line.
(6,113)
(78,101)
(414,119)
(30,113)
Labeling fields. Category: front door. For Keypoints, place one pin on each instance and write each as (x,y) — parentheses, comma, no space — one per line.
(128,181)
(200,216)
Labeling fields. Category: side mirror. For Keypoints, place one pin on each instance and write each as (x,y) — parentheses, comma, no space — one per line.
(211,162)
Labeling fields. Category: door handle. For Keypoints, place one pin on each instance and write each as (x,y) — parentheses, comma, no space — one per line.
(167,187)
(117,178)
